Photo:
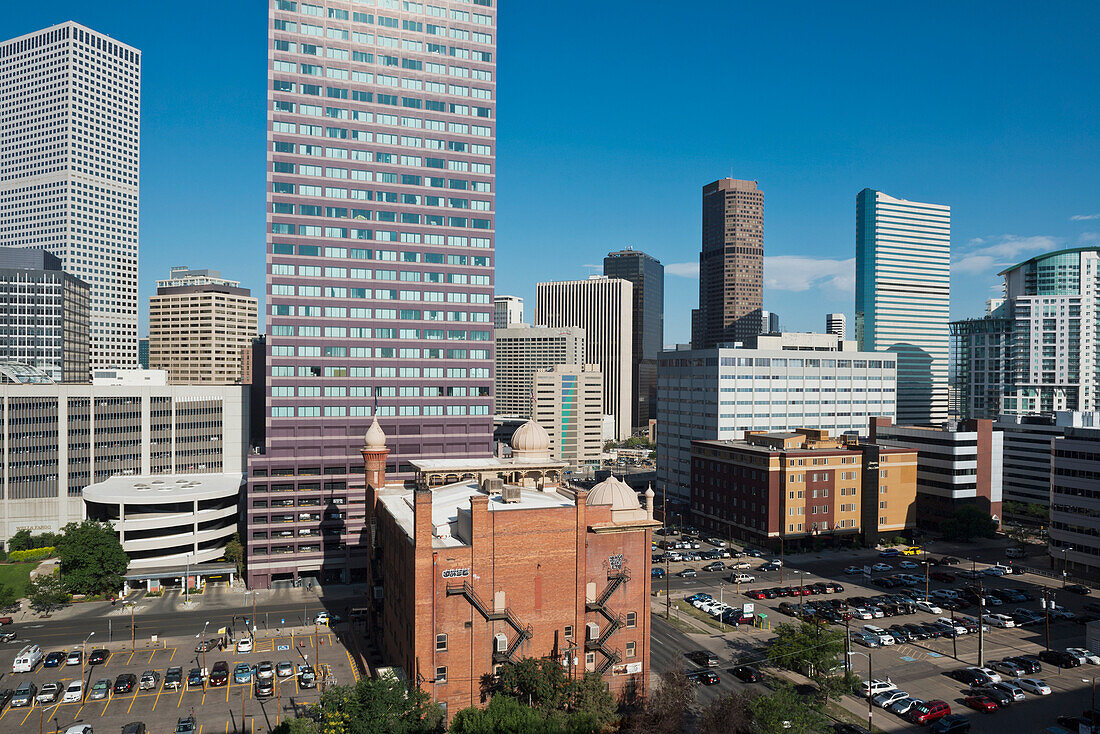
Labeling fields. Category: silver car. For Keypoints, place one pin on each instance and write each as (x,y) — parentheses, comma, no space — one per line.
(901,708)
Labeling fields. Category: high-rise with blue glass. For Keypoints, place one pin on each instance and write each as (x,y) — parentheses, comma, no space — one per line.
(903,283)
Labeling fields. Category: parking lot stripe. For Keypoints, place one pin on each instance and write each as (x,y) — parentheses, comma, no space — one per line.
(29,711)
(135,698)
(75,716)
(172,655)
(354,667)
(128,660)
(183,687)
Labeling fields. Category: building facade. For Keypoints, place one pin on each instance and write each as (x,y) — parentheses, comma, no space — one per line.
(521,351)
(1028,441)
(957,465)
(837,325)
(507,311)
(801,488)
(903,259)
(200,324)
(769,323)
(43,315)
(647,275)
(568,404)
(79,200)
(731,264)
(59,439)
(1075,502)
(775,383)
(462,581)
(603,307)
(1034,351)
(381,171)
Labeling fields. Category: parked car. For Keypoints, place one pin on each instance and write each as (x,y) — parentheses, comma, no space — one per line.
(98,657)
(186,725)
(999,620)
(48,693)
(1084,656)
(1028,663)
(206,645)
(100,689)
(173,677)
(929,711)
(148,680)
(1033,685)
(244,645)
(24,695)
(1061,658)
(124,683)
(73,658)
(1078,589)
(981,703)
(242,673)
(951,724)
(888,698)
(875,687)
(219,674)
(1008,667)
(746,673)
(74,692)
(195,678)
(134,727)
(901,706)
(284,669)
(265,687)
(925,605)
(703,658)
(968,676)
(307,678)
(54,659)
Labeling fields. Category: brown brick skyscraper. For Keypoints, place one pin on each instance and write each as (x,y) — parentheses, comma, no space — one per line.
(731,265)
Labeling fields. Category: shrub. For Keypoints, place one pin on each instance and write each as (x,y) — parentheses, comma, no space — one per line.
(35,554)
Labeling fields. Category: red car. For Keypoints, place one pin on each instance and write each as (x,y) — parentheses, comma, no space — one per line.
(981,703)
(755,594)
(929,711)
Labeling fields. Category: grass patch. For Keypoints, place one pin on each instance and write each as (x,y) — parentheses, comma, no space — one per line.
(16,576)
(699,614)
(835,711)
(681,625)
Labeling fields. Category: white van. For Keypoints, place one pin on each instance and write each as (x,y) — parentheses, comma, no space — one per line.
(883,637)
(27,659)
(1014,552)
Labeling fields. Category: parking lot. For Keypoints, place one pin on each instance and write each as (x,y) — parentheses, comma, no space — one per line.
(233,707)
(919,667)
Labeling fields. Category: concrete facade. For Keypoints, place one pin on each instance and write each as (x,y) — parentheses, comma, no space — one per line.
(507,311)
(521,351)
(568,403)
(1075,502)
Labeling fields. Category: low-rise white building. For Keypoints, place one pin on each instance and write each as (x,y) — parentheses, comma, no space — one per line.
(774,383)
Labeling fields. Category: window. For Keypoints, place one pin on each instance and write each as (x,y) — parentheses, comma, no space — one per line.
(569,632)
(441,674)
(631,620)
(631,648)
(441,645)
(590,658)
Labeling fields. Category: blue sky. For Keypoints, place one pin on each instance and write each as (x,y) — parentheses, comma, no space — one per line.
(612,116)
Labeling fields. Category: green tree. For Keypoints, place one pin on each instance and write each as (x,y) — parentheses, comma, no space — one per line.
(837,686)
(370,706)
(537,682)
(234,552)
(46,594)
(784,712)
(969,522)
(503,715)
(728,714)
(20,540)
(803,645)
(666,709)
(297,726)
(8,596)
(591,706)
(92,559)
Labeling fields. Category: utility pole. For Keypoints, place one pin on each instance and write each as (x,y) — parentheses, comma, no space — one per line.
(1046,612)
(926,571)
(668,571)
(133,632)
(782,560)
(981,624)
(955,635)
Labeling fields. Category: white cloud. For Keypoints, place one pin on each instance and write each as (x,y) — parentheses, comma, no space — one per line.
(797,273)
(1088,238)
(991,254)
(683,270)
(1084,217)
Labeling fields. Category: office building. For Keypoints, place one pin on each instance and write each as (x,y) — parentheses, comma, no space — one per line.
(603,308)
(43,315)
(143,353)
(1074,505)
(731,264)
(903,258)
(77,199)
(507,311)
(462,582)
(647,276)
(773,384)
(568,404)
(769,323)
(521,351)
(957,465)
(801,488)
(59,439)
(380,253)
(1027,450)
(199,326)
(1034,351)
(836,324)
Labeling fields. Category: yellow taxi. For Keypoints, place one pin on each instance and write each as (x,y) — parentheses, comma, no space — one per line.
(915,550)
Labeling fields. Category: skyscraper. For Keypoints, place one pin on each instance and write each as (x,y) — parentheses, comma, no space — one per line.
(380,254)
(70,102)
(568,404)
(731,265)
(602,307)
(200,325)
(507,311)
(647,275)
(520,352)
(903,259)
(836,324)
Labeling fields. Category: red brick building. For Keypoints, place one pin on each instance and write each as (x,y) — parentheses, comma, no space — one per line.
(487,561)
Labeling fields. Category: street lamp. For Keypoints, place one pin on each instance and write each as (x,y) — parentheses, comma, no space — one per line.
(870,677)
(202,646)
(1092,707)
(84,653)
(1065,562)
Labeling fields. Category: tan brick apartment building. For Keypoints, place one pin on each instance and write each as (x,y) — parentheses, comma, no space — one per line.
(485,561)
(801,487)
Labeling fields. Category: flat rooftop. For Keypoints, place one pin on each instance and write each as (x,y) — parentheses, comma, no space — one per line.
(152,489)
(483,464)
(451,508)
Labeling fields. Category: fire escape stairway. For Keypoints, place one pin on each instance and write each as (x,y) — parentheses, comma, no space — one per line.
(614,621)
(523,632)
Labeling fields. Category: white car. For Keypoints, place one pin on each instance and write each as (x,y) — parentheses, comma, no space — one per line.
(889,698)
(1000,620)
(874,687)
(993,675)
(1033,685)
(993,571)
(881,567)
(74,693)
(862,613)
(876,612)
(902,706)
(908,564)
(742,578)
(959,628)
(244,644)
(736,565)
(79,729)
(1083,655)
(945,594)
(926,606)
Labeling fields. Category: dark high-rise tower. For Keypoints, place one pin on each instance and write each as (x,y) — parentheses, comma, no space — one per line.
(731,265)
(648,276)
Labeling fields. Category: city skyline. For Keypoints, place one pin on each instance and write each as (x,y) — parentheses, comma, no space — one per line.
(972,152)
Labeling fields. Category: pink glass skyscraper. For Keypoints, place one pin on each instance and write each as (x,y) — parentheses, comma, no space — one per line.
(380,200)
